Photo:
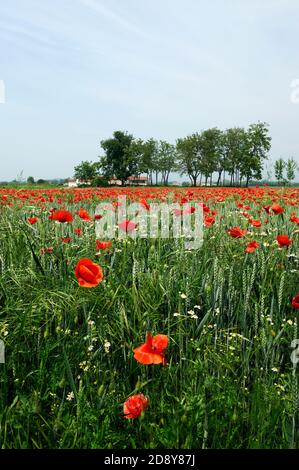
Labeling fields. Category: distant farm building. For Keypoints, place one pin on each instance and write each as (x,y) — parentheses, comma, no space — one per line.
(74,183)
(132,181)
(137,180)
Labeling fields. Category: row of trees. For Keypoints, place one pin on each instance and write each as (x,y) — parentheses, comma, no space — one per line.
(285,170)
(237,153)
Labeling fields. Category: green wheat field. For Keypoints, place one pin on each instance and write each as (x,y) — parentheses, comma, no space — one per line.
(229,381)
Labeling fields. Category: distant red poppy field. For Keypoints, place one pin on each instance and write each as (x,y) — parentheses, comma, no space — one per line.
(134,341)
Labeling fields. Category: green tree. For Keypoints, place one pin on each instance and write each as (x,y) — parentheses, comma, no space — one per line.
(42,181)
(86,171)
(279,167)
(234,146)
(142,152)
(167,157)
(30,180)
(148,158)
(211,152)
(257,147)
(291,168)
(119,162)
(136,150)
(190,156)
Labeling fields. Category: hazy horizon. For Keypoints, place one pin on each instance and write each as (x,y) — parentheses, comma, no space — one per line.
(74,71)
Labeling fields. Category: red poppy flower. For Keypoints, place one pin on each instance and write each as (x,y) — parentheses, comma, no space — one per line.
(294,219)
(32,220)
(127,226)
(62,216)
(209,221)
(295,301)
(152,351)
(144,204)
(66,239)
(251,247)
(267,209)
(189,210)
(98,217)
(237,232)
(88,273)
(84,214)
(78,231)
(178,212)
(277,209)
(283,240)
(255,223)
(134,406)
(102,245)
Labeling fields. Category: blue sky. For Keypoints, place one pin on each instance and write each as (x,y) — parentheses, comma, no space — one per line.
(76,70)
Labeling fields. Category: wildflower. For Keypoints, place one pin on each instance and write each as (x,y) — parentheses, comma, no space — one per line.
(237,232)
(255,223)
(283,240)
(84,215)
(88,273)
(70,396)
(134,406)
(277,209)
(84,366)
(62,216)
(295,301)
(209,221)
(267,209)
(294,219)
(102,245)
(152,351)
(107,346)
(178,212)
(32,220)
(66,239)
(127,226)
(183,296)
(189,210)
(251,247)
(144,204)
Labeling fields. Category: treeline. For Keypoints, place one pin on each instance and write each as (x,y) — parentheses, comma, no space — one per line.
(285,170)
(236,153)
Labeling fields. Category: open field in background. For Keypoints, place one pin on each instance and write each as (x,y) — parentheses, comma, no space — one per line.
(229,381)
